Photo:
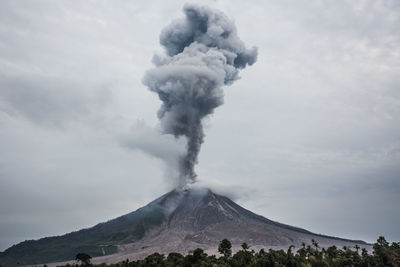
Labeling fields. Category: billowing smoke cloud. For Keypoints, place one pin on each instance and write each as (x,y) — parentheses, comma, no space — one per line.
(203,53)
(149,140)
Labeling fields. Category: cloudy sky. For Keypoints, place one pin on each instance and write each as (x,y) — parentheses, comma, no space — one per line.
(309,136)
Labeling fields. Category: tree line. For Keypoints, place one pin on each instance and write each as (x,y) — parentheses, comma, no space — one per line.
(383,254)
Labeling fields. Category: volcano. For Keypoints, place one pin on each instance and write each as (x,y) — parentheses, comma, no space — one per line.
(179,221)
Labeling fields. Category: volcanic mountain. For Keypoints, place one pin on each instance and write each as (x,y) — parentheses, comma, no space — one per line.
(179,221)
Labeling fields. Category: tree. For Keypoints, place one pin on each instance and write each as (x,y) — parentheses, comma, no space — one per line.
(241,258)
(382,242)
(381,257)
(155,259)
(174,259)
(245,246)
(315,244)
(225,248)
(83,258)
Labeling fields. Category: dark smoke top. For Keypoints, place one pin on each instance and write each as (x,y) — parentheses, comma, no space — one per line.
(203,53)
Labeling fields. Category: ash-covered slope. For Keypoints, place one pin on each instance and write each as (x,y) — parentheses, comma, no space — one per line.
(201,218)
(179,221)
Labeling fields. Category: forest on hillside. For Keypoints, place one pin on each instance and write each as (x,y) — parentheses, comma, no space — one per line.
(383,254)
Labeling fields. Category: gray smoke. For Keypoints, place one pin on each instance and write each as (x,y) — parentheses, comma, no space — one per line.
(203,53)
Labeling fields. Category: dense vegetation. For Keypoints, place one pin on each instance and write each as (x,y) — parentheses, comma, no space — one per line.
(384,254)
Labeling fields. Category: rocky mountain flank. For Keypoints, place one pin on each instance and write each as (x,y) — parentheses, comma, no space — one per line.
(179,221)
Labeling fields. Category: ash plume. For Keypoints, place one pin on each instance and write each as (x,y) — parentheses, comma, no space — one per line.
(203,53)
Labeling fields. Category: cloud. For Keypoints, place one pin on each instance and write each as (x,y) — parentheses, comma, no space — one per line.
(153,142)
(50,100)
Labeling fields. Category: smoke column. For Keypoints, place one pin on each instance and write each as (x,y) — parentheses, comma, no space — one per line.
(203,53)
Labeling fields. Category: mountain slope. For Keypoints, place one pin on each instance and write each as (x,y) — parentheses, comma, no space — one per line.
(179,221)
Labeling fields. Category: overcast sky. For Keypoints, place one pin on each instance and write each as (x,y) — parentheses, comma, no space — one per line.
(309,136)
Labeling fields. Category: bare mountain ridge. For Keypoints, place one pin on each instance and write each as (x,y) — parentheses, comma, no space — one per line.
(179,221)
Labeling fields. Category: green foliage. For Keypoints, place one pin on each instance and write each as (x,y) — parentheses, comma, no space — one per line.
(83,258)
(245,246)
(384,254)
(225,248)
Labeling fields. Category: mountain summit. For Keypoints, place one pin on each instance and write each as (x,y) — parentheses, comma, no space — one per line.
(179,221)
